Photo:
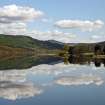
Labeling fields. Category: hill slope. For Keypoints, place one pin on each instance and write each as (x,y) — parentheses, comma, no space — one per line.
(20,45)
(27,42)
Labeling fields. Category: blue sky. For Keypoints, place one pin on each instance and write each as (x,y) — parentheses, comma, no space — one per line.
(79,20)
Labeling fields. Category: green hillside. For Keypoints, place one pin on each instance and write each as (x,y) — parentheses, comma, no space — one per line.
(20,45)
(27,42)
(18,41)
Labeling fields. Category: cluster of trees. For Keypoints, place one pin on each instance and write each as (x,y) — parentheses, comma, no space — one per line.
(98,50)
(82,49)
(79,49)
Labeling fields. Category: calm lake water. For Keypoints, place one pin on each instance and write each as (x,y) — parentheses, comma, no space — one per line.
(51,82)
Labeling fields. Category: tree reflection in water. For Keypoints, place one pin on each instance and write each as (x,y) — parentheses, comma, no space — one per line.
(82,60)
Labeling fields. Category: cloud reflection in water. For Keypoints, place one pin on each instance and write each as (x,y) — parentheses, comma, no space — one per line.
(16,84)
(13,91)
(79,80)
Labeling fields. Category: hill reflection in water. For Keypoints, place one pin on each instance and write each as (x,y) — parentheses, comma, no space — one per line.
(26,62)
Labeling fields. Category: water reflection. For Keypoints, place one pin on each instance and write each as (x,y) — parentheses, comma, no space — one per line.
(44,74)
(26,62)
(30,61)
(103,62)
(79,80)
(97,62)
(21,84)
(13,91)
(82,60)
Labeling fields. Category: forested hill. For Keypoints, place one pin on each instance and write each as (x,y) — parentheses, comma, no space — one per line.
(20,41)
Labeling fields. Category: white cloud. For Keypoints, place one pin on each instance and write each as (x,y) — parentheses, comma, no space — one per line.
(14,13)
(13,21)
(52,35)
(13,28)
(83,25)
(79,80)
